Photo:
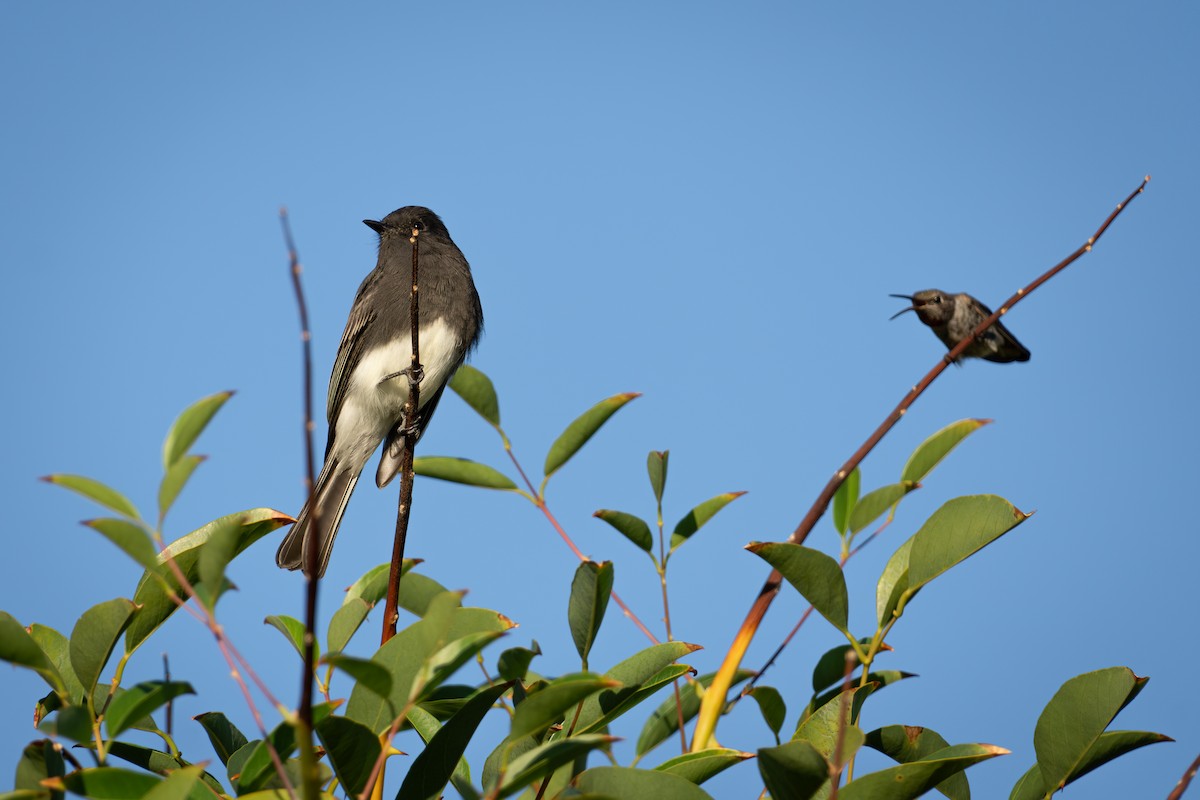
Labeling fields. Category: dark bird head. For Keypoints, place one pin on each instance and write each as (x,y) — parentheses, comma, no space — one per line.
(403,221)
(934,307)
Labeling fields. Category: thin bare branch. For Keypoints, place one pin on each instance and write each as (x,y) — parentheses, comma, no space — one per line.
(1184,781)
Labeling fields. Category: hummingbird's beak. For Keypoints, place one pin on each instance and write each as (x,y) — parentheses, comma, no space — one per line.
(374,225)
(907,297)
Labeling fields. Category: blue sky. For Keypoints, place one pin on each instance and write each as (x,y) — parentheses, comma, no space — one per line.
(705,203)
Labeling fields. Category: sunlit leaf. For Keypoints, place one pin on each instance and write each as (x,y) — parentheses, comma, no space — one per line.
(1108,746)
(548,705)
(893,583)
(369,674)
(961,527)
(701,765)
(590,592)
(158,762)
(656,467)
(831,666)
(815,575)
(844,500)
(627,782)
(344,622)
(513,664)
(352,749)
(905,743)
(96,492)
(635,673)
(694,520)
(631,527)
(257,769)
(931,451)
(578,432)
(477,390)
(875,503)
(131,537)
(462,470)
(292,630)
(224,736)
(175,478)
(793,770)
(664,722)
(58,649)
(911,780)
(189,425)
(138,701)
(94,637)
(544,759)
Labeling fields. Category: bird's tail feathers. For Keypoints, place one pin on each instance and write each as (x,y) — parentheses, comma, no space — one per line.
(329,500)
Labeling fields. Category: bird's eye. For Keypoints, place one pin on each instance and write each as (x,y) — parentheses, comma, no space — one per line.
(419,225)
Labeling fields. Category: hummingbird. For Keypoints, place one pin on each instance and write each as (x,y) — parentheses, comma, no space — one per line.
(953,316)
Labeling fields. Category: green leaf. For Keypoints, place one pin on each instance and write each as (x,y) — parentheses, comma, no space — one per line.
(815,575)
(905,744)
(109,783)
(656,467)
(513,664)
(39,760)
(189,425)
(636,674)
(1108,746)
(1075,718)
(931,451)
(292,630)
(94,637)
(417,591)
(875,681)
(462,470)
(136,702)
(793,771)
(175,478)
(578,432)
(224,736)
(352,749)
(960,528)
(71,722)
(131,537)
(590,591)
(549,704)
(844,500)
(820,729)
(874,504)
(372,586)
(770,703)
(632,528)
(627,782)
(158,762)
(695,519)
(256,769)
(178,785)
(216,553)
(369,674)
(344,622)
(96,492)
(406,653)
(911,780)
(58,649)
(544,759)
(18,648)
(152,595)
(831,666)
(477,390)
(664,722)
(432,768)
(893,583)
(701,765)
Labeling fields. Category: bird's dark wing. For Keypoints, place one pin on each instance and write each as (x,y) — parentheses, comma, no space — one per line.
(349,353)
(1007,348)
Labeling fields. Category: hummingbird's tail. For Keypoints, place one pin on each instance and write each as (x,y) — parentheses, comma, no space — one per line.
(325,508)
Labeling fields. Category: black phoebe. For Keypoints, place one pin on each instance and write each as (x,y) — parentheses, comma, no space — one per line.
(369,384)
(953,316)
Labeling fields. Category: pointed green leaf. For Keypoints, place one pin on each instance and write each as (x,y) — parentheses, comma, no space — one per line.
(544,759)
(590,591)
(372,586)
(131,537)
(109,783)
(699,766)
(139,701)
(821,728)
(446,661)
(352,749)
(39,760)
(153,597)
(513,664)
(793,771)
(905,744)
(875,681)
(175,478)
(432,768)
(417,591)
(292,630)
(158,762)
(71,722)
(695,519)
(664,722)
(815,575)
(257,770)
(344,622)
(911,780)
(462,470)
(549,704)
(406,653)
(94,637)
(58,649)
(844,500)
(656,467)
(1108,746)
(369,674)
(477,390)
(960,528)
(931,451)
(578,432)
(831,666)
(632,528)
(635,673)
(1076,716)
(96,492)
(216,553)
(876,503)
(178,785)
(627,782)
(770,703)
(189,425)
(893,583)
(224,736)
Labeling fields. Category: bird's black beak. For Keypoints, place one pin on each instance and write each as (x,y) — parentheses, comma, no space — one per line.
(907,297)
(374,225)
